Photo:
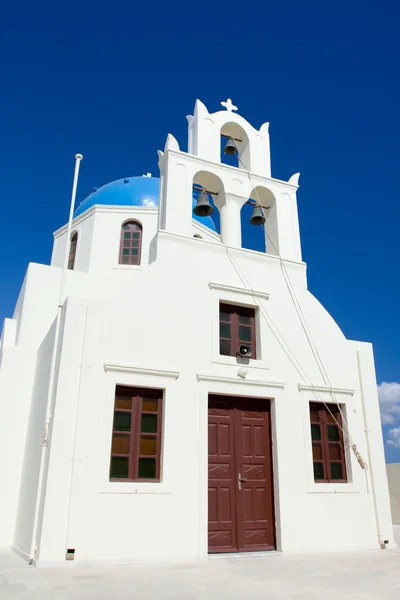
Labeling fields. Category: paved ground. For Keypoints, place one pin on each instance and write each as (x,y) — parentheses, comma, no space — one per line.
(362,576)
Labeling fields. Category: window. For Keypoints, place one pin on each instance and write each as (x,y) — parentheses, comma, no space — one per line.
(136,436)
(327,443)
(131,243)
(72,251)
(236,327)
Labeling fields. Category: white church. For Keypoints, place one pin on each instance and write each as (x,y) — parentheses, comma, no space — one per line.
(167,395)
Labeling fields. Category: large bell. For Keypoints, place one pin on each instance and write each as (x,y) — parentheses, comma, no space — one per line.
(230,147)
(203,207)
(257,216)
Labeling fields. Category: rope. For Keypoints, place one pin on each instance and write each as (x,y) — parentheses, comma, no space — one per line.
(300,314)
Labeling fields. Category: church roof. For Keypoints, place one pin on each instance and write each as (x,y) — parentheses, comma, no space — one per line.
(132,191)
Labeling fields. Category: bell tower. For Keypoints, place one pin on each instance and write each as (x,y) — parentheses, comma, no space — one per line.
(205,132)
(230,186)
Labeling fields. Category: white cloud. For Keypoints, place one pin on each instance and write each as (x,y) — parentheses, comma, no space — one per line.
(389,400)
(394,437)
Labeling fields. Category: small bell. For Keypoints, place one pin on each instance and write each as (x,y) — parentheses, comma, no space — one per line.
(203,207)
(230,147)
(257,216)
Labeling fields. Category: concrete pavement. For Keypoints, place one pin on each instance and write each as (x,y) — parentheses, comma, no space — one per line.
(369,575)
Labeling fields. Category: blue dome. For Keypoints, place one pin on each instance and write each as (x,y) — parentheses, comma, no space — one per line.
(132,191)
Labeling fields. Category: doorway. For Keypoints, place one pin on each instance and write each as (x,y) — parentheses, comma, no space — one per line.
(240,481)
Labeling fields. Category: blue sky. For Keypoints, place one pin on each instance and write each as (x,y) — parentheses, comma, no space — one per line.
(113,84)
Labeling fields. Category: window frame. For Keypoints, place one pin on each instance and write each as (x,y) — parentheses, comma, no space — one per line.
(73,248)
(324,420)
(137,395)
(236,311)
(133,223)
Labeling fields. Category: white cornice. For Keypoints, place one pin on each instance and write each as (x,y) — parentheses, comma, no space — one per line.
(236,290)
(324,389)
(254,176)
(206,230)
(223,247)
(101,208)
(139,210)
(265,383)
(135,210)
(124,368)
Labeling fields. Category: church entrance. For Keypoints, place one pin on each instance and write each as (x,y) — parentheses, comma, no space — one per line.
(240,483)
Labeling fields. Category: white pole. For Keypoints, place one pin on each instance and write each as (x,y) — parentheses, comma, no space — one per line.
(55,351)
(78,158)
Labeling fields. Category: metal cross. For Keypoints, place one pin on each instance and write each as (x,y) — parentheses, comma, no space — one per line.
(228,105)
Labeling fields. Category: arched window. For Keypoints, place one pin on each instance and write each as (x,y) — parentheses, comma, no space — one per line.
(131,243)
(72,251)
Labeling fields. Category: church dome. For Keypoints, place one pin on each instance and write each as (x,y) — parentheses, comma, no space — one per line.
(132,191)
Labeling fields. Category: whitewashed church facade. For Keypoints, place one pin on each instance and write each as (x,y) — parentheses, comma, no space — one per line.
(193,397)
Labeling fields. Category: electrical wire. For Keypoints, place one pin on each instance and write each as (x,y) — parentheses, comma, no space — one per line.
(348,439)
(282,342)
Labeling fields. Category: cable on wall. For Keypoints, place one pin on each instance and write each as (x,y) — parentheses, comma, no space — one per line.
(303,322)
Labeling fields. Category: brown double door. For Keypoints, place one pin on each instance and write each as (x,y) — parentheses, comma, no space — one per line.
(240,493)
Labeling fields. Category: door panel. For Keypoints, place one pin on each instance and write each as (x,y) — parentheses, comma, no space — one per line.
(221,476)
(241,516)
(255,522)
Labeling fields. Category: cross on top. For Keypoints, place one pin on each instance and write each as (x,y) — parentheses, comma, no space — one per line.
(228,105)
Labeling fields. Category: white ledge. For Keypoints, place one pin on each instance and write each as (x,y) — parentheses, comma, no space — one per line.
(321,388)
(260,179)
(105,208)
(243,381)
(124,368)
(236,290)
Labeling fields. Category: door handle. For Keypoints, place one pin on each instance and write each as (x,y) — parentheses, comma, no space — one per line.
(240,480)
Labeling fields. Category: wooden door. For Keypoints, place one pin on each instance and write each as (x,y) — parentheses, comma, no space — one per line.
(221,475)
(240,494)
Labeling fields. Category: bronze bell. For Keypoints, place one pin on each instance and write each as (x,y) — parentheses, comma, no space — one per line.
(203,207)
(257,216)
(230,147)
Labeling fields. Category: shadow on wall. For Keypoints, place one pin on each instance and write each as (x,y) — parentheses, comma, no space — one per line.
(153,250)
(396,533)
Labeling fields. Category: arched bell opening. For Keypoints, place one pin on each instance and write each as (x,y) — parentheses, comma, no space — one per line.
(208,194)
(253,237)
(235,147)
(258,234)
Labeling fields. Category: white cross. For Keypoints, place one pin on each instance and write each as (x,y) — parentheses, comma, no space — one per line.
(147,175)
(228,105)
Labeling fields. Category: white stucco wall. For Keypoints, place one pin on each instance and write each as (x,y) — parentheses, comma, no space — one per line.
(157,325)
(170,518)
(30,479)
(17,372)
(99,231)
(8,335)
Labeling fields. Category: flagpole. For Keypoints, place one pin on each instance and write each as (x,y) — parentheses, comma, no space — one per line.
(78,158)
(52,383)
